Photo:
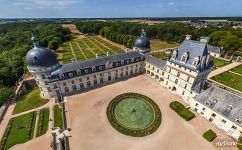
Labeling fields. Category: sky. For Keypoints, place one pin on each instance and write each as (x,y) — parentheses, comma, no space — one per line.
(118,8)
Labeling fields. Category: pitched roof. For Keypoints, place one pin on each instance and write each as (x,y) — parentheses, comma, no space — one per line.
(221,99)
(154,61)
(194,49)
(214,49)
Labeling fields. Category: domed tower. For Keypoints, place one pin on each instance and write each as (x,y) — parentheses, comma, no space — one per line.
(41,61)
(142,43)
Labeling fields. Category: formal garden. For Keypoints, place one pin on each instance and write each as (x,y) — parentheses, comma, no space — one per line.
(237,69)
(134,114)
(229,79)
(157,44)
(43,121)
(161,55)
(181,110)
(86,48)
(19,130)
(210,135)
(29,101)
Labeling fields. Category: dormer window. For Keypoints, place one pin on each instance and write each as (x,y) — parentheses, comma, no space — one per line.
(93,69)
(195,61)
(174,54)
(239,120)
(229,108)
(184,57)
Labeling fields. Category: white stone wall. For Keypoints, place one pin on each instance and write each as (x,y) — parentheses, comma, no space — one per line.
(217,119)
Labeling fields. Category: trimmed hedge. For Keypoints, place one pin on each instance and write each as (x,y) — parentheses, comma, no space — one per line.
(43,121)
(209,135)
(6,133)
(240,143)
(181,110)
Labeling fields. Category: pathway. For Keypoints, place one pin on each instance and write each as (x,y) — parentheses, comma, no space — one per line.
(81,50)
(73,53)
(223,69)
(36,124)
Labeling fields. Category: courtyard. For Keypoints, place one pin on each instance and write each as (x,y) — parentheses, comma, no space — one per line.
(91,129)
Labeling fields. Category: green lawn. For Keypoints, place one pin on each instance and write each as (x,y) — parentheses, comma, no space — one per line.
(218,63)
(58,120)
(161,55)
(181,110)
(230,79)
(43,121)
(237,69)
(29,101)
(210,135)
(159,45)
(21,130)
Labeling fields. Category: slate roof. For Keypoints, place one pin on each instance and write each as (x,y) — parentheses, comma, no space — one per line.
(214,49)
(224,99)
(154,61)
(96,62)
(194,49)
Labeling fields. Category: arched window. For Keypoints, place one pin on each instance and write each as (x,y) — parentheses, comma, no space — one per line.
(195,61)
(184,57)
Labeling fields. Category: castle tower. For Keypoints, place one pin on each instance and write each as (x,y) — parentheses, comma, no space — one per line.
(41,61)
(142,43)
(188,68)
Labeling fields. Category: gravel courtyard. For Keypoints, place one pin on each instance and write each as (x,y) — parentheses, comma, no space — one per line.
(91,130)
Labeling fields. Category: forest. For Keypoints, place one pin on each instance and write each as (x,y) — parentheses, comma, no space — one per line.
(125,32)
(15,41)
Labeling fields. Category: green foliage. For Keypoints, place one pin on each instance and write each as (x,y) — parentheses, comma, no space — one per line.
(210,135)
(5,94)
(181,110)
(240,143)
(217,63)
(29,101)
(58,120)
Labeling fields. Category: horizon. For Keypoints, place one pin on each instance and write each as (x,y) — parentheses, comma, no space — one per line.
(119,9)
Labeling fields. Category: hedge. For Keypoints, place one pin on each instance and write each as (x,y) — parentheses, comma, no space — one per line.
(210,135)
(240,143)
(181,110)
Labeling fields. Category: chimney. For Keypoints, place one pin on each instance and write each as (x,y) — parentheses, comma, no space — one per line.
(96,56)
(204,39)
(188,37)
(107,53)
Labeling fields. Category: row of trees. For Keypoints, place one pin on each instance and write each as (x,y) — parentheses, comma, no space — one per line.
(228,38)
(15,41)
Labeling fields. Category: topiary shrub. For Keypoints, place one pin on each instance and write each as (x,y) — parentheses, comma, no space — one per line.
(210,135)
(181,110)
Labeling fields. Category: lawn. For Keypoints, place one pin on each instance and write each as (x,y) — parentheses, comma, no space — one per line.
(230,79)
(29,101)
(43,121)
(237,69)
(210,135)
(181,110)
(161,55)
(21,130)
(159,45)
(218,63)
(58,120)
(86,48)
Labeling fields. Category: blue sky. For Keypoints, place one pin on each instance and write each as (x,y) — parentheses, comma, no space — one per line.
(119,8)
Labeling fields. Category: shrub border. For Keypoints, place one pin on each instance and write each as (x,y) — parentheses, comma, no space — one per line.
(132,132)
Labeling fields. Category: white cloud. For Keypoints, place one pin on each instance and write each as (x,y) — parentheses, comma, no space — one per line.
(171,3)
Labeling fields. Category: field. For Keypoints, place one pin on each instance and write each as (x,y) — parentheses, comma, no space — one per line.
(20,130)
(29,101)
(218,63)
(161,55)
(159,45)
(230,79)
(86,47)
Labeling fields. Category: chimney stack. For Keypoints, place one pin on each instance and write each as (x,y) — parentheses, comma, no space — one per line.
(96,56)
(188,37)
(107,53)
(204,39)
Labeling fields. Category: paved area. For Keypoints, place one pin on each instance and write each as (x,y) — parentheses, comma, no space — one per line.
(223,69)
(91,129)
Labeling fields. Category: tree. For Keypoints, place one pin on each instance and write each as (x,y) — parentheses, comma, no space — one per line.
(53,45)
(130,43)
(5,94)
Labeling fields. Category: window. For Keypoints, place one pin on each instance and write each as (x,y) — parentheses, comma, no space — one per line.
(81,85)
(202,113)
(174,54)
(234,127)
(196,104)
(46,83)
(188,78)
(80,80)
(166,82)
(185,86)
(109,78)
(109,73)
(204,109)
(183,92)
(223,121)
(74,87)
(101,80)
(88,78)
(101,74)
(88,83)
(64,83)
(95,82)
(72,82)
(55,86)
(94,76)
(127,73)
(213,115)
(66,89)
(43,76)
(184,57)
(176,81)
(178,74)
(168,76)
(195,61)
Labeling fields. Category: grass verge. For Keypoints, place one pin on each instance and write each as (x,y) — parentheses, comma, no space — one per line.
(210,135)
(181,110)
(43,121)
(58,120)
